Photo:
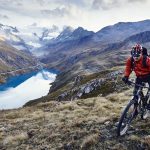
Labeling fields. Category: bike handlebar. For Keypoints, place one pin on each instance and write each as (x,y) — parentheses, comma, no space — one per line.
(130,83)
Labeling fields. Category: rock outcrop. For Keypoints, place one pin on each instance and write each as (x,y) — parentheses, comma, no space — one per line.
(78,91)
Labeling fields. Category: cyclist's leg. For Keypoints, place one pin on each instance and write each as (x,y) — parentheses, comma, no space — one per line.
(135,95)
(136,87)
(148,80)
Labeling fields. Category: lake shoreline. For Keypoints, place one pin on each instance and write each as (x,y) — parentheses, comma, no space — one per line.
(4,76)
(29,86)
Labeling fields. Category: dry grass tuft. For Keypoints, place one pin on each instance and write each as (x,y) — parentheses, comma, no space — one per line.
(37,115)
(119,146)
(1,136)
(120,97)
(89,141)
(15,139)
(50,104)
(67,106)
(134,138)
(146,140)
(90,102)
(12,115)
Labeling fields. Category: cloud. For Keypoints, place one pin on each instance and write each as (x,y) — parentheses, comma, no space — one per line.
(90,14)
(57,12)
(34,24)
(78,3)
(141,1)
(105,4)
(109,4)
(54,28)
(11,2)
(41,2)
(19,4)
(4,16)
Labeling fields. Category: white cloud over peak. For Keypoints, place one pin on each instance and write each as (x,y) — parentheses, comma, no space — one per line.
(57,12)
(91,14)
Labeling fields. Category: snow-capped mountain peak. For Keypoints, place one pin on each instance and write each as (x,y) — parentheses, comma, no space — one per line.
(65,34)
(7,28)
(37,36)
(9,34)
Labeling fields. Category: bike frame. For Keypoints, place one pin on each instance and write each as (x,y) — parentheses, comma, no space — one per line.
(140,94)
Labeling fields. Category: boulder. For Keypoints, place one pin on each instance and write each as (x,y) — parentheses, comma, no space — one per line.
(88,89)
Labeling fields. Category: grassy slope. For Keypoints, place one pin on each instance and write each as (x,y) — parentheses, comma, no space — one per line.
(82,124)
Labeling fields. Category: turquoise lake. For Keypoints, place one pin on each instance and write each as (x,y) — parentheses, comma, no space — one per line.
(20,89)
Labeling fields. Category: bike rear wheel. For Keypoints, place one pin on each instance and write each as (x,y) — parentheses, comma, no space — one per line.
(130,112)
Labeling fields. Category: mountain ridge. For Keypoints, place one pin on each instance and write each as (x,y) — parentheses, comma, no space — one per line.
(12,59)
(86,45)
(123,29)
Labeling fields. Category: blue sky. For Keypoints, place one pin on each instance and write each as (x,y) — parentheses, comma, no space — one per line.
(90,14)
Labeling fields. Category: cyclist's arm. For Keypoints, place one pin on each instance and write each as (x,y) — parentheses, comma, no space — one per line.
(128,68)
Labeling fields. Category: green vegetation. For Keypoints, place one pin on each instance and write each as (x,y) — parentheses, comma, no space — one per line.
(87,78)
(104,89)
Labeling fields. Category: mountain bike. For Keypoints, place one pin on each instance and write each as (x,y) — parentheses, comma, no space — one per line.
(138,105)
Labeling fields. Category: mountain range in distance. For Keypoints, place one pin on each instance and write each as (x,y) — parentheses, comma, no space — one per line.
(84,47)
(16,45)
(76,48)
(78,52)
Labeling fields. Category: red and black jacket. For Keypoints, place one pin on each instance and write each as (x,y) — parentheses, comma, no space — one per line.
(138,68)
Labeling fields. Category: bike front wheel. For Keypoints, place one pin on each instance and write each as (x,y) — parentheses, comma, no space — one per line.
(130,112)
(146,108)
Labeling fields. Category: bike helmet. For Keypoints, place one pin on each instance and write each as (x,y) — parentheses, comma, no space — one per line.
(136,51)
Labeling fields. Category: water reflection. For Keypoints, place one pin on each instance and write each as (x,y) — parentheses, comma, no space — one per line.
(18,90)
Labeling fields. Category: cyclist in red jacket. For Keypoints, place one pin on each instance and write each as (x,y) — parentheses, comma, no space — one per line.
(139,62)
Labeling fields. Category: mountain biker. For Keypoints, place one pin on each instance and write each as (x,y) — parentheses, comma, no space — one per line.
(139,62)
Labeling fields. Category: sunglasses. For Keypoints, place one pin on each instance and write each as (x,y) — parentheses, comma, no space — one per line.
(136,53)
